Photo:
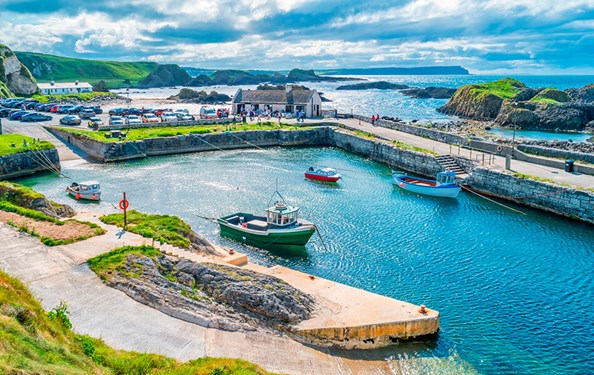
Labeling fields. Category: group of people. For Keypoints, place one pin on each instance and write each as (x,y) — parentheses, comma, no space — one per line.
(267,114)
(374,119)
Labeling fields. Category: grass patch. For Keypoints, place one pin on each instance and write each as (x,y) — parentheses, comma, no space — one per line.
(113,262)
(506,88)
(539,179)
(406,146)
(163,228)
(35,342)
(8,140)
(551,96)
(66,69)
(173,131)
(363,134)
(81,96)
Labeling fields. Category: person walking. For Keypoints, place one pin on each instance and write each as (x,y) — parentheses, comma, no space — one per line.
(373,120)
(279,117)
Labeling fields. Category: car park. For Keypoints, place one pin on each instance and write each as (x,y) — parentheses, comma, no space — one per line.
(34,117)
(149,117)
(95,122)
(116,120)
(70,120)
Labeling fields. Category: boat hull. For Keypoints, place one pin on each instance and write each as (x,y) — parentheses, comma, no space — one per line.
(444,191)
(297,237)
(317,177)
(85,196)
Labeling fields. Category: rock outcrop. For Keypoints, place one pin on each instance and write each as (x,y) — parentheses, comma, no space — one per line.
(429,92)
(23,196)
(508,102)
(166,75)
(212,295)
(202,97)
(379,85)
(14,76)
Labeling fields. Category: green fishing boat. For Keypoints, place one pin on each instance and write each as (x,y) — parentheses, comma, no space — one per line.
(280,227)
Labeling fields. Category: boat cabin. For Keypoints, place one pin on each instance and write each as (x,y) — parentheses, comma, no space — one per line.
(86,187)
(282,215)
(446,178)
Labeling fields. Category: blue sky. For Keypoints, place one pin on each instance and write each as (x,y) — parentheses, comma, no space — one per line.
(489,36)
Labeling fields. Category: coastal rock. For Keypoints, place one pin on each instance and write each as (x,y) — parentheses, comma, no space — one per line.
(526,94)
(379,85)
(24,197)
(553,117)
(429,92)
(202,97)
(466,103)
(585,94)
(166,75)
(212,295)
(551,96)
(512,114)
(15,78)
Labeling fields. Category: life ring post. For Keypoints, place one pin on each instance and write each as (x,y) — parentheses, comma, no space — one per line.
(124,206)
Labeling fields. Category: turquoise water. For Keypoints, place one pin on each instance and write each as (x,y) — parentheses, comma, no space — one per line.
(516,293)
(538,135)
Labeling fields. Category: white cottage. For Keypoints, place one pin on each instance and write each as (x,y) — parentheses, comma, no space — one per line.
(289,101)
(64,87)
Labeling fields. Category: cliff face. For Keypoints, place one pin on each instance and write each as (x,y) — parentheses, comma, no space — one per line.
(166,75)
(510,103)
(14,75)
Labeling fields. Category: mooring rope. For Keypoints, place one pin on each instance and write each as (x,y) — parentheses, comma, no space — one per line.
(491,200)
(241,139)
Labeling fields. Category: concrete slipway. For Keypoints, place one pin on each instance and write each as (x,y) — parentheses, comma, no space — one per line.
(60,273)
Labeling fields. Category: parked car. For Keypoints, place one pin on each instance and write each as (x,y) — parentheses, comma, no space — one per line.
(60,108)
(70,120)
(149,117)
(168,117)
(184,117)
(30,104)
(17,115)
(134,111)
(95,109)
(181,111)
(87,113)
(95,122)
(159,112)
(4,112)
(222,113)
(46,107)
(74,109)
(118,112)
(34,116)
(133,120)
(116,120)
(207,113)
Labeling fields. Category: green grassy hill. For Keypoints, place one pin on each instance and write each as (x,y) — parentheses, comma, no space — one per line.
(35,342)
(48,67)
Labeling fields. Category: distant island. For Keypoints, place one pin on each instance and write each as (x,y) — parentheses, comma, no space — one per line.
(388,71)
(415,92)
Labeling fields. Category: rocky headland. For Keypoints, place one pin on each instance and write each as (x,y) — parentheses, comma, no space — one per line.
(15,78)
(509,102)
(187,95)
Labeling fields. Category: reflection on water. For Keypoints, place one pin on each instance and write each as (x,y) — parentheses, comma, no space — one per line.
(506,285)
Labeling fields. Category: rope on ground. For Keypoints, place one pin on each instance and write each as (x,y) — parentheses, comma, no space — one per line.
(492,201)
(249,143)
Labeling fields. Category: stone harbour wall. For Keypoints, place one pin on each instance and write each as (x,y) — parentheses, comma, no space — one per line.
(29,162)
(557,153)
(565,201)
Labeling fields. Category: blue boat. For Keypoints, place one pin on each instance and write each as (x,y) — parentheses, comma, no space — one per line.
(443,186)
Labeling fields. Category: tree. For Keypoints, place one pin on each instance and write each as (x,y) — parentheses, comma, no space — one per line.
(100,86)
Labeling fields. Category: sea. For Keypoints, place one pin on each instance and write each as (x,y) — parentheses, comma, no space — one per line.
(515,292)
(394,104)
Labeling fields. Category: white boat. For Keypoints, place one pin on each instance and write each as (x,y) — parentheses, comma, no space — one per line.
(443,186)
(88,190)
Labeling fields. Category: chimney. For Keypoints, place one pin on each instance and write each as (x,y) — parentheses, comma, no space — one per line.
(52,83)
(288,88)
(76,82)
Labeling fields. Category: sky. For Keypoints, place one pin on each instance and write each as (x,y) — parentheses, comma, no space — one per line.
(486,37)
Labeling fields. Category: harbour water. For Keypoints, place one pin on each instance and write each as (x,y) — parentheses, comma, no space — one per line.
(539,135)
(516,293)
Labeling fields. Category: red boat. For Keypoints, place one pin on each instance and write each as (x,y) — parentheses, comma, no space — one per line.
(322,174)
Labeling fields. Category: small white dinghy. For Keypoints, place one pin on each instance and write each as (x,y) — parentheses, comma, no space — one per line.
(88,190)
(443,186)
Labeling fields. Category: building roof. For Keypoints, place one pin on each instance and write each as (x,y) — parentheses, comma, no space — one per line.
(273,96)
(64,85)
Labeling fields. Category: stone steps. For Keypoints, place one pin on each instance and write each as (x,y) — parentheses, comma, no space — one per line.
(448,163)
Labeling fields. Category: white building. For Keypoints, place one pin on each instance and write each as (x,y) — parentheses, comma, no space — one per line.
(64,87)
(289,100)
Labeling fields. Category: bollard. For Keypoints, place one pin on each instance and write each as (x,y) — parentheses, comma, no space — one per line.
(423,309)
(507,162)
